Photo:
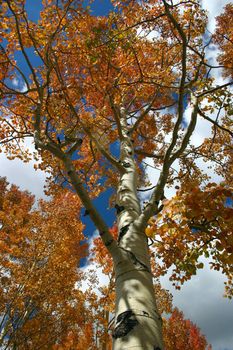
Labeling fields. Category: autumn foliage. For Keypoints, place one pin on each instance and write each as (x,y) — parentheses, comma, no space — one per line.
(194,223)
(182,334)
(40,254)
(224,38)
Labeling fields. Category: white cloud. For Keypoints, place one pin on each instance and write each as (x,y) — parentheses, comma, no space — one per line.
(88,269)
(23,174)
(15,82)
(201,300)
(214,8)
(19,84)
(23,88)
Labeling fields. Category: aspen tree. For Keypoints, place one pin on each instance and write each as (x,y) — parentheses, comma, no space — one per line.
(107,94)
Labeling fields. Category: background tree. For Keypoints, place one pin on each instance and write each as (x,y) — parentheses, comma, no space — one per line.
(182,334)
(40,303)
(99,98)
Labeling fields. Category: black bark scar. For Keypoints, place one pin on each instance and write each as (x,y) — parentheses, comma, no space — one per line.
(122,232)
(108,243)
(138,263)
(119,208)
(126,164)
(126,321)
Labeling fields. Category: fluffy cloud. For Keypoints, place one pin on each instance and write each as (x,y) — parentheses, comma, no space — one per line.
(201,300)
(23,174)
(19,84)
(214,8)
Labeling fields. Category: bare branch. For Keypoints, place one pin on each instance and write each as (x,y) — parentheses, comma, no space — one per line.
(142,115)
(116,115)
(158,193)
(188,133)
(214,122)
(106,236)
(182,84)
(149,155)
(214,89)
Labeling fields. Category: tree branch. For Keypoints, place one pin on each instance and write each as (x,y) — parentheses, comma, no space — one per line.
(188,133)
(182,83)
(142,115)
(158,193)
(149,155)
(103,151)
(214,122)
(106,236)
(22,46)
(214,89)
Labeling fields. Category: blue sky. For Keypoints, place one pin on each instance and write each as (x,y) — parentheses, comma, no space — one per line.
(33,8)
(98,8)
(101,7)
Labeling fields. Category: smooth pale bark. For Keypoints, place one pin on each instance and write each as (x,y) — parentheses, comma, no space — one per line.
(137,322)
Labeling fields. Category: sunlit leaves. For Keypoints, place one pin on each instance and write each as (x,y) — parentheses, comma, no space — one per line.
(40,254)
(224,38)
(196,222)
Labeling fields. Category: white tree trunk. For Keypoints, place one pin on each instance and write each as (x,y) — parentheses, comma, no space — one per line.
(137,322)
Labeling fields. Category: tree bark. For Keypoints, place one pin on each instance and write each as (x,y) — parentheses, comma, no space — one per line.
(137,322)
